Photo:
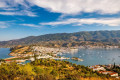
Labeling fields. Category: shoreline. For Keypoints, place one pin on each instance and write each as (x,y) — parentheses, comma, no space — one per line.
(10,58)
(41,50)
(55,50)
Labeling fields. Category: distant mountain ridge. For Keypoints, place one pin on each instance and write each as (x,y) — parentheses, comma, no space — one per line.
(93,36)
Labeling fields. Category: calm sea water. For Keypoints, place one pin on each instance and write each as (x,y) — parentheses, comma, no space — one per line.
(4,53)
(90,56)
(95,56)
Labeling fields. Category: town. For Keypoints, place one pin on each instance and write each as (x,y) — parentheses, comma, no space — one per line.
(26,54)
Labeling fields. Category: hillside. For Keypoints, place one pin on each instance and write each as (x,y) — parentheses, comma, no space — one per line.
(48,69)
(92,36)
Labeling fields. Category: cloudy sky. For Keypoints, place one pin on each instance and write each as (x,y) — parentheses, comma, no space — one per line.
(22,18)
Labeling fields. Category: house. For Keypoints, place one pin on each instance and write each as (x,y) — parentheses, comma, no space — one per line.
(111,73)
(97,68)
(32,59)
(114,74)
(8,61)
(45,56)
(105,72)
(20,61)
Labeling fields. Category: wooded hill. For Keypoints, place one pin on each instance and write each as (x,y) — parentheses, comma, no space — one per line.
(112,37)
(48,69)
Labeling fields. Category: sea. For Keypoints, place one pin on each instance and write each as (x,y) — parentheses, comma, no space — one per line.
(90,56)
(95,56)
(4,53)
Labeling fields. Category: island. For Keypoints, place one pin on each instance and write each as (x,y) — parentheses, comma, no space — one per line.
(76,59)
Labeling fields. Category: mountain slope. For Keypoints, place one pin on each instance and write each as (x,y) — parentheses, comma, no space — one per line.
(93,36)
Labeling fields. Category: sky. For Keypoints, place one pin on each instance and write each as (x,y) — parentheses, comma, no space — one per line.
(22,18)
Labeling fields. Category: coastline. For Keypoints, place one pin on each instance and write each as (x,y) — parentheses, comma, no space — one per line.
(56,55)
(10,58)
(55,50)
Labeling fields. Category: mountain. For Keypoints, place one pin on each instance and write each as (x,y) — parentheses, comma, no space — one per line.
(93,36)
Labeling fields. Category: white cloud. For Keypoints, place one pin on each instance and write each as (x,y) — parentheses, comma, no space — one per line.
(76,21)
(77,6)
(3,24)
(30,25)
(15,7)
(13,3)
(3,4)
(20,13)
(24,13)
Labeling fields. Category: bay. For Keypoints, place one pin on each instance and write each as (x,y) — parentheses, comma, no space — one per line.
(95,56)
(90,56)
(4,53)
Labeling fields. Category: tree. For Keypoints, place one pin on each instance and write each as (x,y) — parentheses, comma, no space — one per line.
(54,72)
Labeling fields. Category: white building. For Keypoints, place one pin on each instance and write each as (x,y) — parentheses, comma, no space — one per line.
(114,74)
(111,73)
(32,59)
(97,68)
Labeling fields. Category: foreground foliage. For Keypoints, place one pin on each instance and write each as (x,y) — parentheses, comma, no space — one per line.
(47,69)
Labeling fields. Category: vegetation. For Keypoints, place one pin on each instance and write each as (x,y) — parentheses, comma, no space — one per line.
(20,50)
(68,39)
(76,58)
(48,69)
(115,68)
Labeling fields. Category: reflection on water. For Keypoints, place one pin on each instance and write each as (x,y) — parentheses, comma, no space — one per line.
(95,56)
(72,51)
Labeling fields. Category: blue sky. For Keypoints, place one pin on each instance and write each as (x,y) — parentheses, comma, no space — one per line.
(22,18)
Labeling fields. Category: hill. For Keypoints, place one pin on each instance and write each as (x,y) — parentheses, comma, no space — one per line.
(48,69)
(91,36)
